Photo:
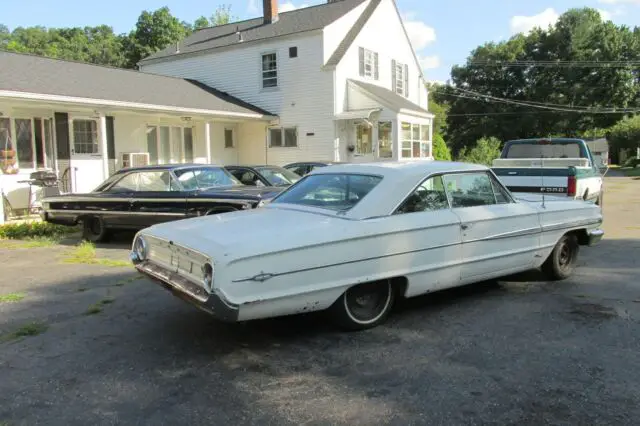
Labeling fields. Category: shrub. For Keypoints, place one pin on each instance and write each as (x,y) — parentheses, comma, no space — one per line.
(484,152)
(16,231)
(440,149)
(632,162)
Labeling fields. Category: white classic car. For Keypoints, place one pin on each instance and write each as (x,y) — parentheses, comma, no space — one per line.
(350,239)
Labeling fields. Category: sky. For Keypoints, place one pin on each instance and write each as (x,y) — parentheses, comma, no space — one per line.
(443,33)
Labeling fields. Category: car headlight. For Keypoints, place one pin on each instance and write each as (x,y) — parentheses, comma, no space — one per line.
(139,250)
(207,276)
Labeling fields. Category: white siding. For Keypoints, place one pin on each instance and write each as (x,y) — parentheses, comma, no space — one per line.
(304,97)
(335,32)
(383,34)
(251,149)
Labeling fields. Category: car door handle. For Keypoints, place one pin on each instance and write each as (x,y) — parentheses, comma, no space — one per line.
(464,226)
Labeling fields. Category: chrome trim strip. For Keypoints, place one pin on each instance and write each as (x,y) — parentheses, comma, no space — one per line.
(263,276)
(118,212)
(510,234)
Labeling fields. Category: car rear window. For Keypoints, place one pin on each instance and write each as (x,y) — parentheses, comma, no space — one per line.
(535,149)
(339,191)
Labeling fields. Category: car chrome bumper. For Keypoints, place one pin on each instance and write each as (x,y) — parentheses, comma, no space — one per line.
(189,292)
(595,235)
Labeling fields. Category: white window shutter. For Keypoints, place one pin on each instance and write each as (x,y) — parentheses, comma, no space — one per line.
(361,61)
(375,66)
(393,76)
(406,81)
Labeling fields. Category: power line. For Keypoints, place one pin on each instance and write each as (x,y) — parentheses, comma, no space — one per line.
(551,107)
(559,63)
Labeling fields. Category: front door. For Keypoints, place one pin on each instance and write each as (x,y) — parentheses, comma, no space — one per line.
(499,236)
(86,156)
(364,147)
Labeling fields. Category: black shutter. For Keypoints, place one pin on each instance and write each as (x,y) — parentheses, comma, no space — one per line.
(63,146)
(111,145)
(361,61)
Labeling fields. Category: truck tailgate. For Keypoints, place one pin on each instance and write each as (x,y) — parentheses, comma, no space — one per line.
(532,176)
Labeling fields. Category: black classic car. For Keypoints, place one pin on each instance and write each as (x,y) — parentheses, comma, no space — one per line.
(264,175)
(135,198)
(303,168)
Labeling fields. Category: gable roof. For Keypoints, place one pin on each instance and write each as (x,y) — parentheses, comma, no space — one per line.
(389,98)
(23,74)
(252,30)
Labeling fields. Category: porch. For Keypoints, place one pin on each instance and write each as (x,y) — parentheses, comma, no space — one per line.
(83,146)
(379,125)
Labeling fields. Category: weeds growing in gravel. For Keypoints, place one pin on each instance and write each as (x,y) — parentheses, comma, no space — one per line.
(11,297)
(31,329)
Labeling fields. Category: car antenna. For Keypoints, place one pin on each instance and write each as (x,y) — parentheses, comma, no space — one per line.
(542,178)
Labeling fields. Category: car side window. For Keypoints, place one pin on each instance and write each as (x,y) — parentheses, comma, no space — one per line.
(469,189)
(188,180)
(502,197)
(429,196)
(128,183)
(156,181)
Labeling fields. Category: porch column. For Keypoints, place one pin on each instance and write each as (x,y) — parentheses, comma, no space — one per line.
(104,146)
(207,140)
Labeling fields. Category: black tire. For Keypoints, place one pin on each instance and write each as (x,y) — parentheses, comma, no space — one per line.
(563,259)
(93,229)
(363,306)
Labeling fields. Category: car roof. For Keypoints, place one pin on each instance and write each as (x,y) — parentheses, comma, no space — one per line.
(400,168)
(167,167)
(300,163)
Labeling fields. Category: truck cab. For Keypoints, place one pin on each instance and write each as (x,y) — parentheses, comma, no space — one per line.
(556,167)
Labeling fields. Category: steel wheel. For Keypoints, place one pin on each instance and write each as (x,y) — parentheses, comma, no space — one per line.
(364,305)
(562,260)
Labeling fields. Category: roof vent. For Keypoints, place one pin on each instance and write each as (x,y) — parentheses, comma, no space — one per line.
(238,33)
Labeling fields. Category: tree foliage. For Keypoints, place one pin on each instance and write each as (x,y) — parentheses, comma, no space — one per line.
(440,149)
(484,152)
(569,79)
(625,134)
(101,45)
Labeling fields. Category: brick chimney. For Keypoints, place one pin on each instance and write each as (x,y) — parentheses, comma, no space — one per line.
(270,11)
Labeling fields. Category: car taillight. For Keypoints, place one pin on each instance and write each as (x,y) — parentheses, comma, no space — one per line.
(571,186)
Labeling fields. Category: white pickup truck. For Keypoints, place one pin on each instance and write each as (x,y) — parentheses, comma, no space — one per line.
(556,167)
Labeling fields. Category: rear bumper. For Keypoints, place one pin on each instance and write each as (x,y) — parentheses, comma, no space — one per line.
(189,292)
(594,236)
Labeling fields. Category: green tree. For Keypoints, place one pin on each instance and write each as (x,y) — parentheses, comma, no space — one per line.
(625,134)
(484,152)
(440,149)
(437,108)
(154,31)
(222,15)
(201,22)
(555,66)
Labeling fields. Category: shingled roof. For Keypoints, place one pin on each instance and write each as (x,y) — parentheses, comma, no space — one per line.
(30,74)
(252,30)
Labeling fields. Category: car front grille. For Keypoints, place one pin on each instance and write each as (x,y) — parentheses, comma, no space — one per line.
(183,261)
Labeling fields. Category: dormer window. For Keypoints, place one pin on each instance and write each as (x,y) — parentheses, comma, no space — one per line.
(400,78)
(368,63)
(269,70)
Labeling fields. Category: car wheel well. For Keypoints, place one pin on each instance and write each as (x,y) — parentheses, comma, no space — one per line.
(217,210)
(581,235)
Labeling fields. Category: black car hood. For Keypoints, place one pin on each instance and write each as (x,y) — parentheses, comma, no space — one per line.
(264,192)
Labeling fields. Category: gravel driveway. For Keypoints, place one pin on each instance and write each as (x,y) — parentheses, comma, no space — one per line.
(109,348)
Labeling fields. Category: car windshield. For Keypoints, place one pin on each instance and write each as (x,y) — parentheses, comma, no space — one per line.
(205,177)
(279,176)
(536,149)
(329,191)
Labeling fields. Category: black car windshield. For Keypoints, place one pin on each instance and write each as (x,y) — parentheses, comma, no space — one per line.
(329,191)
(205,177)
(279,176)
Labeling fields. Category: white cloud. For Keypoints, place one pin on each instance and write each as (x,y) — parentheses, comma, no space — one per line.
(524,24)
(605,14)
(419,33)
(429,62)
(620,1)
(289,6)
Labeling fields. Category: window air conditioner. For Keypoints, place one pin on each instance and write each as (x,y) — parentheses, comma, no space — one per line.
(135,159)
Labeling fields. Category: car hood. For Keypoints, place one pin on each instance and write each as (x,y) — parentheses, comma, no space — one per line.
(253,232)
